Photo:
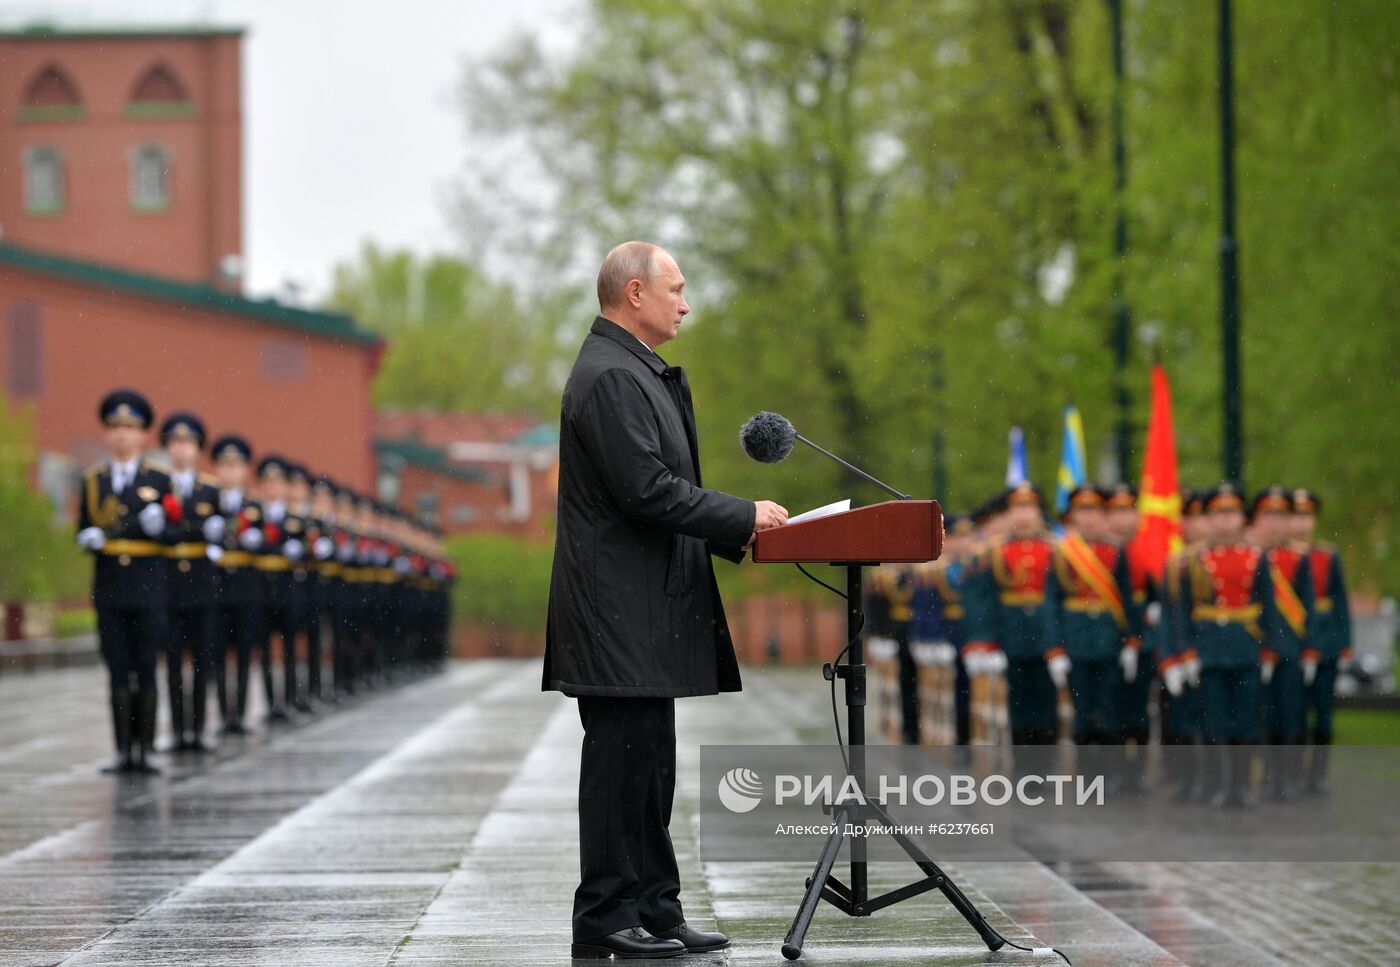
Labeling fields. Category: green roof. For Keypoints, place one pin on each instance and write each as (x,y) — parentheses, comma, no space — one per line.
(429,457)
(40,30)
(269,311)
(537,436)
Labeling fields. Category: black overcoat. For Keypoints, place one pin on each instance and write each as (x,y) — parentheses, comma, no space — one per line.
(633,605)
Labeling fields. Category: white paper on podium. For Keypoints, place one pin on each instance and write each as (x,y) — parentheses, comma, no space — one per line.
(826,511)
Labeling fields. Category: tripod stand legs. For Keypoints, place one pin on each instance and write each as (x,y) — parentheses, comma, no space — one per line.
(792,943)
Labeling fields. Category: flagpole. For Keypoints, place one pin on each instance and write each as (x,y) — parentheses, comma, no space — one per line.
(1232,448)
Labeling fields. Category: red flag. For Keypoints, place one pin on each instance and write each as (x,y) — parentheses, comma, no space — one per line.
(1159,496)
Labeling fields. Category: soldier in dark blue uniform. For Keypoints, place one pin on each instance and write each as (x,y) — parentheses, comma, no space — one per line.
(308,581)
(122,520)
(242,593)
(327,589)
(346,620)
(197,530)
(280,558)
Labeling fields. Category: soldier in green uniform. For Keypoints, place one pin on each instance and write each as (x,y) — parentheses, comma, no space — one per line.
(1230,597)
(1286,636)
(1006,615)
(1329,641)
(1182,714)
(1087,618)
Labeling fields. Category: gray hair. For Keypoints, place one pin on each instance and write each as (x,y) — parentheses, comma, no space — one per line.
(628,261)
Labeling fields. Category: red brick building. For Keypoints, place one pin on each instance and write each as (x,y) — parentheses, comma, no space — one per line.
(121,257)
(474,473)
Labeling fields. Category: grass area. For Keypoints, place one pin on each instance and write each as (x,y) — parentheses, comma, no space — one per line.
(1366,727)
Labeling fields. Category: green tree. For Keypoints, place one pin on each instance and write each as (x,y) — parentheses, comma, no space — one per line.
(859,191)
(41,561)
(456,339)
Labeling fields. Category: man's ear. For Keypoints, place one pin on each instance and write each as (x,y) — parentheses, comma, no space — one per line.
(633,291)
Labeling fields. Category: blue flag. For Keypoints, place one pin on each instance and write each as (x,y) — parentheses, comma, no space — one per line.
(1072,471)
(1016,458)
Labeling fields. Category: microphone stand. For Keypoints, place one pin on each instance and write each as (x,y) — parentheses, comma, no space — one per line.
(854,469)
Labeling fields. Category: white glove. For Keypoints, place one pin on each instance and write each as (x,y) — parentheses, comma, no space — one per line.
(152,519)
(975,663)
(323,548)
(402,564)
(346,552)
(945,655)
(1193,671)
(214,529)
(1309,670)
(882,649)
(91,538)
(924,652)
(294,549)
(251,538)
(1128,658)
(1266,671)
(996,662)
(1153,614)
(214,552)
(1059,670)
(1174,678)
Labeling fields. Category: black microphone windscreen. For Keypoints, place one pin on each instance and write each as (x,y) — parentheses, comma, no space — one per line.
(767,437)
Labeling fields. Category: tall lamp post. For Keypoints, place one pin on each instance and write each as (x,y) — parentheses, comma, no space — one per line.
(1122,314)
(1232,441)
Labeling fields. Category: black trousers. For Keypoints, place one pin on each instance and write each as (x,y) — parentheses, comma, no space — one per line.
(626,786)
(237,627)
(192,634)
(129,639)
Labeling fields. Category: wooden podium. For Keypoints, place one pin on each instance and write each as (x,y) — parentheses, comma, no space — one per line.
(896,531)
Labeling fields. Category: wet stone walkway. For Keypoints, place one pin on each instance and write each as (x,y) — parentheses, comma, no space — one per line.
(435,824)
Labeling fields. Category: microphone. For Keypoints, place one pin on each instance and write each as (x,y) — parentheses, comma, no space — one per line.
(769,438)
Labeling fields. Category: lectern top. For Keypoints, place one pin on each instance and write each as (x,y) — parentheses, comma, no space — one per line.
(895,531)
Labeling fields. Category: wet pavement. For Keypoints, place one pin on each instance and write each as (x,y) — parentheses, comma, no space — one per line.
(434,824)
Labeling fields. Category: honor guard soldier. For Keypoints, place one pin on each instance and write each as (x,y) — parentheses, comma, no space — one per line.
(1144,612)
(1330,640)
(197,531)
(1230,594)
(939,636)
(1286,637)
(369,559)
(1179,664)
(281,556)
(1006,611)
(328,592)
(1088,621)
(308,581)
(346,623)
(242,592)
(122,521)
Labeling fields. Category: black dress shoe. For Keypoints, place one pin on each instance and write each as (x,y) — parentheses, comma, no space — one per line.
(634,943)
(197,744)
(696,941)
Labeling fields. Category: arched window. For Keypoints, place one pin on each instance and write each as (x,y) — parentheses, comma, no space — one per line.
(150,176)
(43,180)
(159,93)
(51,96)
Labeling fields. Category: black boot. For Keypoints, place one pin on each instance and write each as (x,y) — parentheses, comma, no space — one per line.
(175,686)
(121,703)
(1317,766)
(144,741)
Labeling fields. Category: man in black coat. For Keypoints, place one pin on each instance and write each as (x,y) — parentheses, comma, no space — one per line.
(635,618)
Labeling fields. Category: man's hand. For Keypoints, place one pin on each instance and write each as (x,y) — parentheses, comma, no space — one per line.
(766,514)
